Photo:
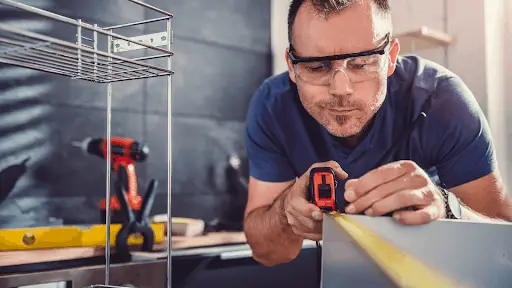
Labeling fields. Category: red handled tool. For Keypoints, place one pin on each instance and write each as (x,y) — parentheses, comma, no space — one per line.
(127,206)
(322,188)
(125,152)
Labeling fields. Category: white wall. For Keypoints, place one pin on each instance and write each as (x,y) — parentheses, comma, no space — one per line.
(495,70)
(279,37)
(410,14)
(482,31)
(469,48)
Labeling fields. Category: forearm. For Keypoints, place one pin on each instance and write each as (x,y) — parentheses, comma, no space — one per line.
(484,199)
(470,215)
(270,236)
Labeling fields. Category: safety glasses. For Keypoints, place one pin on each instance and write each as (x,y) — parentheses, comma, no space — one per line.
(358,67)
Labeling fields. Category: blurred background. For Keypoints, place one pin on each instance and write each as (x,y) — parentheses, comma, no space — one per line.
(223,49)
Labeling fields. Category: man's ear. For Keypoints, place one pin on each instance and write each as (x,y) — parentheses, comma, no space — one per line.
(291,71)
(393,55)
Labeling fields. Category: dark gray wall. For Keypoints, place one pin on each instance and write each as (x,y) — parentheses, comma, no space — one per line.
(222,54)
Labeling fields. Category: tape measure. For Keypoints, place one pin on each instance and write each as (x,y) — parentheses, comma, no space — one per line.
(322,188)
(403,269)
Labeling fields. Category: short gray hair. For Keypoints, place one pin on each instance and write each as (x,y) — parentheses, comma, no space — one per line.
(327,7)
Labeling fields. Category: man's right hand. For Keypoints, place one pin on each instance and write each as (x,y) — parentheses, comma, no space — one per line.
(304,217)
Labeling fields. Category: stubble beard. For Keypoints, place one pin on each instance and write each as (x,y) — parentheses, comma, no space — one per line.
(343,125)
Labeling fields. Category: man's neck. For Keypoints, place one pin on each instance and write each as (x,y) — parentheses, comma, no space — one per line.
(350,142)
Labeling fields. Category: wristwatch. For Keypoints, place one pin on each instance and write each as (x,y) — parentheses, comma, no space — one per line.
(451,204)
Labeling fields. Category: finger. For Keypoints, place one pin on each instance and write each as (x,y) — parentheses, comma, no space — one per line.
(338,171)
(305,224)
(311,236)
(377,194)
(407,182)
(402,199)
(303,207)
(297,227)
(356,188)
(418,217)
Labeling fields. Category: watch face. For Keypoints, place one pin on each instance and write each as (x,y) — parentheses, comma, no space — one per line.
(454,205)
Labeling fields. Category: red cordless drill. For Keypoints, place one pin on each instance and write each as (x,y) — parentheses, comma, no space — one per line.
(322,188)
(124,153)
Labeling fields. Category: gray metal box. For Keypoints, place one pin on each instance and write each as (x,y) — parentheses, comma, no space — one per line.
(473,255)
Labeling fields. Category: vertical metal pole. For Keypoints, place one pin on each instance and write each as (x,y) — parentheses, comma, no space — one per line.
(79,43)
(95,46)
(169,157)
(107,206)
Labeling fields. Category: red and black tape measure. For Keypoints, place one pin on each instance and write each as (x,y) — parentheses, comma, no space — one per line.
(322,188)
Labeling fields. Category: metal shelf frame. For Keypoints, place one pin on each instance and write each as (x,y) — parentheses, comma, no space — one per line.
(83,60)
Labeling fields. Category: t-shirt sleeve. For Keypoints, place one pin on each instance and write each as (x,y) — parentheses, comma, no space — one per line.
(458,135)
(267,157)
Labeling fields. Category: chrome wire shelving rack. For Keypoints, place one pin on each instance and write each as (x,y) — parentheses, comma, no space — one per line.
(82,59)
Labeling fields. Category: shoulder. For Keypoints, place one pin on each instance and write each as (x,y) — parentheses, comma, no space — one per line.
(265,130)
(426,81)
(421,75)
(420,72)
(274,98)
(271,94)
(264,106)
(455,135)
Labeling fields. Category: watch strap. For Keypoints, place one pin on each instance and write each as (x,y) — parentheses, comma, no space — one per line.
(447,208)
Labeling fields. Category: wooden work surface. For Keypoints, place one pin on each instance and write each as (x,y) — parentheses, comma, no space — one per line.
(9,258)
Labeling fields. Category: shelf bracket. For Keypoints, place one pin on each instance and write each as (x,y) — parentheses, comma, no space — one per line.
(156,39)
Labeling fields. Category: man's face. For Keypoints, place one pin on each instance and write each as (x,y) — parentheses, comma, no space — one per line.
(348,100)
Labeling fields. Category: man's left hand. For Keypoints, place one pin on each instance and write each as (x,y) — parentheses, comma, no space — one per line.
(393,187)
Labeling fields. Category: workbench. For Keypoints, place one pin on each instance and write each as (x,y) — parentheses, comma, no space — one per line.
(222,259)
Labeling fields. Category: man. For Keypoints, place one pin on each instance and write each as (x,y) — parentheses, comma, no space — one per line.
(347,112)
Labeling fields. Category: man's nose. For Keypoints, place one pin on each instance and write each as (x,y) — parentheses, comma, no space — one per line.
(340,83)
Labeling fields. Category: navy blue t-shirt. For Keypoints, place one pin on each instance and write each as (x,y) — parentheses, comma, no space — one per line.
(453,143)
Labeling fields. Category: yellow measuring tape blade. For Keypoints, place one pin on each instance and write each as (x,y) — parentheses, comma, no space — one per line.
(403,269)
